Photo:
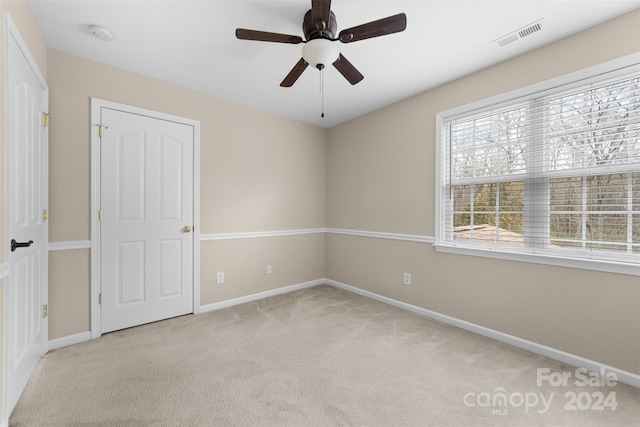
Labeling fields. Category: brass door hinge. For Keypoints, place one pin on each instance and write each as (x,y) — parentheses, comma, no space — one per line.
(45,215)
(100,215)
(45,119)
(45,311)
(101,129)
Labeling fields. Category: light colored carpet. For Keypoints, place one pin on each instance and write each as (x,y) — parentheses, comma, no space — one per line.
(316,357)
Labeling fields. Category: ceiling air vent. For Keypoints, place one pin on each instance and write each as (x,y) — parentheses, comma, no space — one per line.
(516,35)
(530,30)
(508,39)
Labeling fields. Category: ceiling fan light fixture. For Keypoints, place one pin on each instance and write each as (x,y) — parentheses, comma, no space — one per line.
(320,52)
(319,26)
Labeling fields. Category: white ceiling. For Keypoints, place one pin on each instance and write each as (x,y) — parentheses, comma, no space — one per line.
(193,44)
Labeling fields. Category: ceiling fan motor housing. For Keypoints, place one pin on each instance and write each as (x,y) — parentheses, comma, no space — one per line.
(314,30)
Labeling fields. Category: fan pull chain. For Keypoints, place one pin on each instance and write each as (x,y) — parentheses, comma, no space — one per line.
(322,91)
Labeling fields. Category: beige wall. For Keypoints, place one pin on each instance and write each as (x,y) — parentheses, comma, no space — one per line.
(294,260)
(380,177)
(259,172)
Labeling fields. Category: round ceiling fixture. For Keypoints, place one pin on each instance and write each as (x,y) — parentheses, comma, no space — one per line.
(101,33)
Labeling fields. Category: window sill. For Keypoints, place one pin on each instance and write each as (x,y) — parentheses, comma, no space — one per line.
(584,264)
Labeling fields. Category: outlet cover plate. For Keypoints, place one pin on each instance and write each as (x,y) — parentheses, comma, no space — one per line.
(406,278)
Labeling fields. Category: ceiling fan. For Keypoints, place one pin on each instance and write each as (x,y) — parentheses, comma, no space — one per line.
(319,26)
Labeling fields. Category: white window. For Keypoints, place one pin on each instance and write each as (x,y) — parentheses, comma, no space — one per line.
(547,174)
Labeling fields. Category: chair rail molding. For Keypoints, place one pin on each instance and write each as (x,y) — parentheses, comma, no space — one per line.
(360,233)
(70,245)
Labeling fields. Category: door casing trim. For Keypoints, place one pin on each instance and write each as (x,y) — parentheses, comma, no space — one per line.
(96,105)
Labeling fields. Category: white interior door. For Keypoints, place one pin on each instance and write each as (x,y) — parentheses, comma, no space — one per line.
(27,197)
(146,239)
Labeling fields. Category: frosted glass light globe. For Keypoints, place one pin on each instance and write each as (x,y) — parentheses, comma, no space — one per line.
(320,51)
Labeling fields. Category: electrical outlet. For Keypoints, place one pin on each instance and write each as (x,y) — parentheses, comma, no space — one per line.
(407,279)
(220,277)
(269,269)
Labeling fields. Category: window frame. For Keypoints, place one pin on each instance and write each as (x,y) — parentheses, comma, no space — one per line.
(611,69)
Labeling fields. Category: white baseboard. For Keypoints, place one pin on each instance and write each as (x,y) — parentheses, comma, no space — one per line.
(260,295)
(552,353)
(69,340)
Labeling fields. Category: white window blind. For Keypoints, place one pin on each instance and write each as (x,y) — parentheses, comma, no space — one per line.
(556,172)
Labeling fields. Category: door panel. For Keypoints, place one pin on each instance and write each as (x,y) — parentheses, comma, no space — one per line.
(146,200)
(130,274)
(27,166)
(20,273)
(170,204)
(130,164)
(170,268)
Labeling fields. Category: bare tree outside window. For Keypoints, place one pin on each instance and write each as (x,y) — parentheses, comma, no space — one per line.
(590,131)
(567,167)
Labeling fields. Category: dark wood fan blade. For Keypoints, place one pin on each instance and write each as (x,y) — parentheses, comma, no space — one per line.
(263,36)
(295,72)
(348,70)
(381,27)
(320,13)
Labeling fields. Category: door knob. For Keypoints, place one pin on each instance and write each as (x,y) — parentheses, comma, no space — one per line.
(186,229)
(15,245)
